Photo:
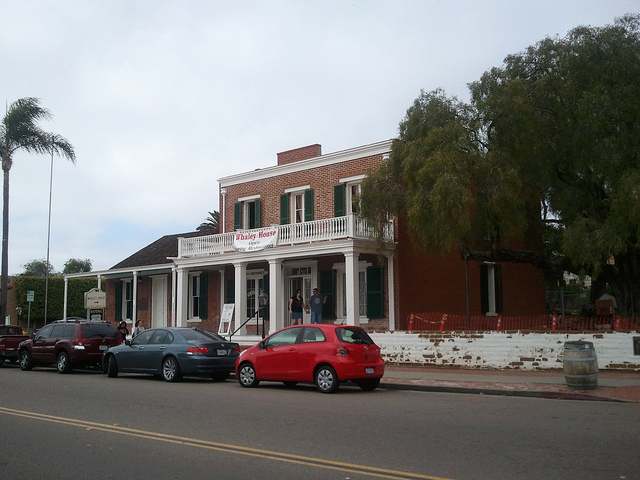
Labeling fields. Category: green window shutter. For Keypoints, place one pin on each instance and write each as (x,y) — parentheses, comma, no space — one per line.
(328,293)
(203,300)
(129,288)
(257,214)
(229,290)
(498,276)
(340,200)
(118,300)
(284,209)
(375,293)
(309,206)
(484,288)
(237,216)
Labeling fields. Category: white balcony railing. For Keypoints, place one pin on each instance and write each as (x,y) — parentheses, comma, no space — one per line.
(336,228)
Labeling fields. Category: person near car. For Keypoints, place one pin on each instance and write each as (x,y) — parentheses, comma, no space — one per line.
(138,328)
(295,308)
(123,330)
(316,306)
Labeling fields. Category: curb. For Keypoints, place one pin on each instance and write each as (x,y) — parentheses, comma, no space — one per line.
(497,392)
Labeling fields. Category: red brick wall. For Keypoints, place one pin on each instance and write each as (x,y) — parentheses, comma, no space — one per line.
(297,154)
(321,179)
(436,283)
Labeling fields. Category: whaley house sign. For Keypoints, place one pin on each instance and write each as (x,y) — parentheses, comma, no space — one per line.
(254,240)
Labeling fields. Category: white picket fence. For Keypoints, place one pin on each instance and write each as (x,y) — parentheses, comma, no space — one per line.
(349,226)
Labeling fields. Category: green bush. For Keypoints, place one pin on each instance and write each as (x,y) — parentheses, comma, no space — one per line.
(75,297)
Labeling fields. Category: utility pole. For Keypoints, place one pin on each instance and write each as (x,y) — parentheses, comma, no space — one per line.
(46,272)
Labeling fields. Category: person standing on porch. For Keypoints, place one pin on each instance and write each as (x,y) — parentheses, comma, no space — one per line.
(295,308)
(316,306)
(138,328)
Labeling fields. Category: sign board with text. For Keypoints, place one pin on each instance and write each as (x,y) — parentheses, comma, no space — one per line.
(30,296)
(255,240)
(95,299)
(226,319)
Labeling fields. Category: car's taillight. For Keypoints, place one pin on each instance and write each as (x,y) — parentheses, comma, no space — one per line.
(342,351)
(197,350)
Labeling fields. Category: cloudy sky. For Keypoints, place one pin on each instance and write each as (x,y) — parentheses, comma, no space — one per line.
(162,98)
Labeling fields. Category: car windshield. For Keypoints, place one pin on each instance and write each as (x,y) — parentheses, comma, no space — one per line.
(353,335)
(99,330)
(200,336)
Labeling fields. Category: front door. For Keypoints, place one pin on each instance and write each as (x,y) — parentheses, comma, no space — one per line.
(302,283)
(159,302)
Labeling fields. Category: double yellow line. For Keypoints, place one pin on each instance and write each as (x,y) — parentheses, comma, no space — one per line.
(223,447)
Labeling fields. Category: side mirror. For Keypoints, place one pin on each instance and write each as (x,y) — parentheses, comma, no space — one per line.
(127,342)
(262,345)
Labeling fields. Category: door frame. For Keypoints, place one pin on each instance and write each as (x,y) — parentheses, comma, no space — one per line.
(164,300)
(288,275)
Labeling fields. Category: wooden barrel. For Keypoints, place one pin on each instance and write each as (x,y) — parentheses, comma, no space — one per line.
(580,365)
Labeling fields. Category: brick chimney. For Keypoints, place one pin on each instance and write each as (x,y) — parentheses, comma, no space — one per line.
(298,154)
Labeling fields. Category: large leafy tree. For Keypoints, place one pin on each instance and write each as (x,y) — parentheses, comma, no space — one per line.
(77,265)
(19,130)
(551,137)
(211,224)
(37,268)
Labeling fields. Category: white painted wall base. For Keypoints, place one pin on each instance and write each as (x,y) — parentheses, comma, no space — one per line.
(527,351)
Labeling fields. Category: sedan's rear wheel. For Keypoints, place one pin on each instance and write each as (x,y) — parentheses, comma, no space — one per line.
(63,362)
(26,363)
(247,376)
(326,379)
(171,370)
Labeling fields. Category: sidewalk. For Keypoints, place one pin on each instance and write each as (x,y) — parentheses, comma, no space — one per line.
(612,386)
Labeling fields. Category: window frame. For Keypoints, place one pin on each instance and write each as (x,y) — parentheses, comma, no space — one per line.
(302,337)
(293,196)
(282,332)
(127,287)
(193,276)
(349,197)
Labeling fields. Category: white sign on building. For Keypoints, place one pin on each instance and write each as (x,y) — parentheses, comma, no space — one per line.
(254,240)
(226,319)
(95,299)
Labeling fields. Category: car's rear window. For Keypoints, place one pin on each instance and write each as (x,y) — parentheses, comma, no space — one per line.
(200,336)
(99,330)
(353,335)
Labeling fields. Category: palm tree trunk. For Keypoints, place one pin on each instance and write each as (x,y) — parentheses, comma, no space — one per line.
(4,281)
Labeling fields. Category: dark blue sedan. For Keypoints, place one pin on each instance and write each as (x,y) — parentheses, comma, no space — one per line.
(173,353)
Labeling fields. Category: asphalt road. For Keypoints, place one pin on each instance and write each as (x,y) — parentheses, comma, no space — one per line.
(85,425)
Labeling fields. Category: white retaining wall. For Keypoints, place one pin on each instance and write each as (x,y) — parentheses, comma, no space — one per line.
(529,351)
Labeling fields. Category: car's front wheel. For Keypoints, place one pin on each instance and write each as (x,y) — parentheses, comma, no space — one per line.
(63,362)
(112,366)
(326,379)
(26,362)
(247,375)
(171,370)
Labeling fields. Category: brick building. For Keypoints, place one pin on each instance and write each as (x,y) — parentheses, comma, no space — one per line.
(308,207)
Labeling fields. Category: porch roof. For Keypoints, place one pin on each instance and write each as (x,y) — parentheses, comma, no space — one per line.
(157,252)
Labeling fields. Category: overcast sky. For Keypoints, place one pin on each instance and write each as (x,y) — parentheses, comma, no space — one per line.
(162,98)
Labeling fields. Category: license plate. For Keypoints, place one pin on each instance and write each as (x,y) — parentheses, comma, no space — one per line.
(222,353)
(103,347)
(369,371)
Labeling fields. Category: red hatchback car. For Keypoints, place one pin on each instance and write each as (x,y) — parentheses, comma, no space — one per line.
(322,354)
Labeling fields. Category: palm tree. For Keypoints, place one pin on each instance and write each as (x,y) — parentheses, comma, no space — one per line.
(19,130)
(211,223)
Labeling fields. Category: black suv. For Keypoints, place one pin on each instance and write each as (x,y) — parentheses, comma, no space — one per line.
(67,344)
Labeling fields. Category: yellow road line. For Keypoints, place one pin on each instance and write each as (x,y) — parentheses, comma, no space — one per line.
(224,447)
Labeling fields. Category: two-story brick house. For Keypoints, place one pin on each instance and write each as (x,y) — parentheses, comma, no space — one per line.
(310,203)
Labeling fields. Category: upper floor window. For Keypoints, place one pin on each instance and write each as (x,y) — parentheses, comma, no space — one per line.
(247,213)
(347,196)
(297,205)
(354,191)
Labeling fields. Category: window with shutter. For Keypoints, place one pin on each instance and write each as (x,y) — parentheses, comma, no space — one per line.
(203,306)
(237,216)
(257,214)
(309,205)
(284,209)
(339,200)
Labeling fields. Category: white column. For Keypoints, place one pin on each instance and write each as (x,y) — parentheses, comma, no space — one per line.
(352,288)
(241,296)
(276,314)
(64,307)
(173,297)
(391,293)
(99,282)
(134,289)
(182,295)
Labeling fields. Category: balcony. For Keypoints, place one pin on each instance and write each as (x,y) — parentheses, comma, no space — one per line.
(337,228)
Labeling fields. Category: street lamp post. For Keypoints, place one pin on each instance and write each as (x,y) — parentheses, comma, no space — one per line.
(46,272)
